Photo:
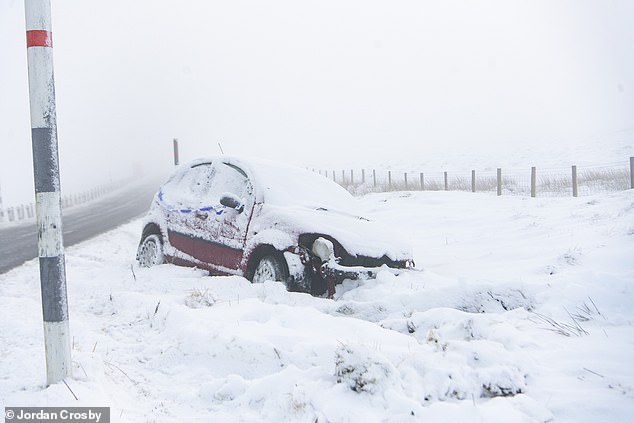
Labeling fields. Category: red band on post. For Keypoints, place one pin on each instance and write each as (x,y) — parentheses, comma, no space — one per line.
(39,38)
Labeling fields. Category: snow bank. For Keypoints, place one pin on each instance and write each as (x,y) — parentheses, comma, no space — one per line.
(521,312)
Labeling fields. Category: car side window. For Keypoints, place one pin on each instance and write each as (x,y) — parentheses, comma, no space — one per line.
(203,185)
(230,179)
(190,190)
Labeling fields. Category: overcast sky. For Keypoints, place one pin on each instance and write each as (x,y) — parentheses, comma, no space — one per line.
(303,81)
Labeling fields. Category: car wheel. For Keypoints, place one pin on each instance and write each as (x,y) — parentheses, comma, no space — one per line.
(270,268)
(151,251)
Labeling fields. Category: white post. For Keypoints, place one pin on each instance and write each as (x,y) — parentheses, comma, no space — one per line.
(47,190)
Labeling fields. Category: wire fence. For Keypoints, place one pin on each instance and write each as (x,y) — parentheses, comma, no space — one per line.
(535,182)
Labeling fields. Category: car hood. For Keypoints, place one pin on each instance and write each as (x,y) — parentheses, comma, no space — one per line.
(358,235)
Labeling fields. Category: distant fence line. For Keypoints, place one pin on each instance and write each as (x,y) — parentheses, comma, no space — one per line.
(27,211)
(574,180)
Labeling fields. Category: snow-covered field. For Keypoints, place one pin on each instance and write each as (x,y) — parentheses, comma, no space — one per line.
(522,312)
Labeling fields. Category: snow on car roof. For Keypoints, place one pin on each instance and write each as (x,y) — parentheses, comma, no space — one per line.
(282,184)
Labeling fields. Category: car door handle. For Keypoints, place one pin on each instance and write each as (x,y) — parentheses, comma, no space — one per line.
(202,215)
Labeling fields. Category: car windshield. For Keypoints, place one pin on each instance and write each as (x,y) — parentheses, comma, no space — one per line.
(290,186)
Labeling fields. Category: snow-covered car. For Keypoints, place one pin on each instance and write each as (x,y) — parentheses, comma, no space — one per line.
(265,221)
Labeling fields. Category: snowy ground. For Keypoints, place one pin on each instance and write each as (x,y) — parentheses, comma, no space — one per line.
(523,312)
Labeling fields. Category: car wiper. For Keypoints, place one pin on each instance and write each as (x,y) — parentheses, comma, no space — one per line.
(343,212)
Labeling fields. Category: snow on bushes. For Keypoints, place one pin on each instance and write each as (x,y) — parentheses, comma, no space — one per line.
(361,369)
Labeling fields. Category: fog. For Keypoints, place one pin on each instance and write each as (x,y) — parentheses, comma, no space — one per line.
(316,83)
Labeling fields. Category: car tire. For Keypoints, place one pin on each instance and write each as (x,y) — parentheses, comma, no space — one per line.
(151,251)
(271,267)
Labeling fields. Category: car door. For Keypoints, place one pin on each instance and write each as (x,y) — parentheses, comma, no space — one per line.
(182,197)
(223,229)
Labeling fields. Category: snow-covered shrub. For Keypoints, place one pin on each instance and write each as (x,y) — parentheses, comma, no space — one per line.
(199,298)
(494,301)
(360,369)
(462,355)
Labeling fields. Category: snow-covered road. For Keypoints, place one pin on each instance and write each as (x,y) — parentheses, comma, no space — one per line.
(18,240)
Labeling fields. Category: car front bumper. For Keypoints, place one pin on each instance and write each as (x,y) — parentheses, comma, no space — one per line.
(319,273)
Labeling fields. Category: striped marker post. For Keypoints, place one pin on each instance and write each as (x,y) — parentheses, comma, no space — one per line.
(47,189)
(1,206)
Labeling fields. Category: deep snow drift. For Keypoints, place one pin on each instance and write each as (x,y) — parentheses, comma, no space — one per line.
(522,312)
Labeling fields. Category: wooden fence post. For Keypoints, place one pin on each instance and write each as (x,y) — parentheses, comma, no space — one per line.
(351,176)
(334,176)
(575,188)
(473,186)
(363,176)
(343,177)
(533,182)
(175,143)
(632,172)
(389,180)
(446,182)
(499,177)
(422,181)
(405,174)
(374,176)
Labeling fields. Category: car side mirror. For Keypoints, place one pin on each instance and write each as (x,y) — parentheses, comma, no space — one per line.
(232,201)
